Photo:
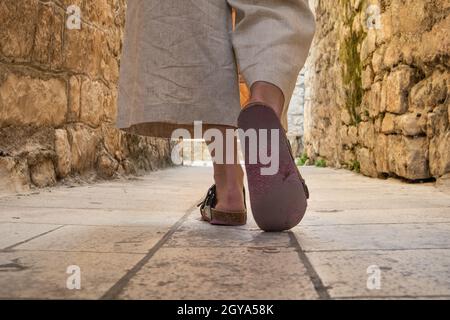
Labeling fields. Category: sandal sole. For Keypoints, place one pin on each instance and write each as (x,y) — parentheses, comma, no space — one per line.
(279,201)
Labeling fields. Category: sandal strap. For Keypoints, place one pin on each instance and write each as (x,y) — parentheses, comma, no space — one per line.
(305,187)
(209,213)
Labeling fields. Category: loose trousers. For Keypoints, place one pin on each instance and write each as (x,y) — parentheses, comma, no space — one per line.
(181,58)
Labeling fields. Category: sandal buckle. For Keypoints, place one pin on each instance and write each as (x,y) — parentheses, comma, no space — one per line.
(208,213)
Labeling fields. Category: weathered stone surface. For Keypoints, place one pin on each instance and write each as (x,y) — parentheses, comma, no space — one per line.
(26,100)
(18,19)
(366,134)
(74,99)
(407,157)
(375,99)
(58,96)
(389,123)
(92,100)
(381,151)
(391,82)
(437,121)
(440,154)
(397,86)
(412,124)
(107,165)
(83,143)
(14,175)
(43,174)
(63,153)
(47,49)
(431,91)
(367,162)
(367,78)
(443,183)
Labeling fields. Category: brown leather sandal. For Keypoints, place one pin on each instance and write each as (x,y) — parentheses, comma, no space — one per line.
(222,218)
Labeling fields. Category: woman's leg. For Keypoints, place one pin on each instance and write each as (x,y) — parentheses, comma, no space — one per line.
(271,42)
(178,66)
(268,94)
(228,177)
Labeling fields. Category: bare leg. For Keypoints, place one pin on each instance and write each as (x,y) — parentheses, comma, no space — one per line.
(229,180)
(268,94)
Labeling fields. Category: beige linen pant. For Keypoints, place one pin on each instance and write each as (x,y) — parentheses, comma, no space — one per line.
(180,57)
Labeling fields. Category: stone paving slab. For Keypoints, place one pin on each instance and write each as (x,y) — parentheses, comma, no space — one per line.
(374,237)
(196,233)
(42,274)
(375,216)
(221,274)
(101,239)
(14,233)
(89,217)
(404,233)
(404,273)
(385,204)
(105,229)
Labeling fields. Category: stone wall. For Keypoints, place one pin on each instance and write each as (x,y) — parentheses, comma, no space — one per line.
(58,93)
(379,83)
(296,116)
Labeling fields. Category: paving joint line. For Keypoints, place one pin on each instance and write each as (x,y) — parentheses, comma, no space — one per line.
(319,287)
(118,287)
(10,248)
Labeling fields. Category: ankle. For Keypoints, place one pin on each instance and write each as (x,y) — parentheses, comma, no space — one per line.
(268,94)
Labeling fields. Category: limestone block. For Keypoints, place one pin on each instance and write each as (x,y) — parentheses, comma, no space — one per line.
(100,12)
(107,166)
(430,92)
(83,50)
(367,77)
(408,157)
(63,153)
(14,175)
(381,153)
(437,121)
(47,48)
(17,21)
(410,16)
(74,99)
(43,173)
(368,45)
(92,102)
(26,100)
(110,105)
(375,100)
(397,87)
(366,134)
(83,145)
(346,117)
(377,60)
(412,124)
(440,155)
(437,43)
(353,135)
(393,55)
(367,163)
(389,124)
(386,32)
